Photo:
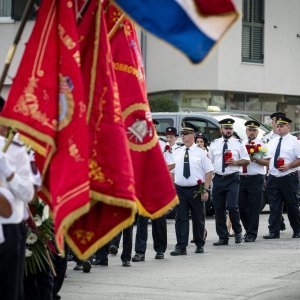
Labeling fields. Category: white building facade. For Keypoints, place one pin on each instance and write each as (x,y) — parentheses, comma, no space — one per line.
(255,69)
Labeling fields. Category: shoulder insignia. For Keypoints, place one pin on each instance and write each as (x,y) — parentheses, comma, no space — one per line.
(18,143)
(162,139)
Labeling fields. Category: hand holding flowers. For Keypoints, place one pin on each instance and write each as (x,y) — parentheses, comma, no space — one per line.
(202,191)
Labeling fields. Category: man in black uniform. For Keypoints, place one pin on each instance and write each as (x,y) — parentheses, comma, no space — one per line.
(227,180)
(283,180)
(252,181)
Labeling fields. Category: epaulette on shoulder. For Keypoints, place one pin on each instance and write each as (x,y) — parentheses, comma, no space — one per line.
(162,139)
(178,147)
(266,133)
(18,143)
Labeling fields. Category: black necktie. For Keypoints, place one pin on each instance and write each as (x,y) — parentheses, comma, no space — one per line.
(277,152)
(225,147)
(186,164)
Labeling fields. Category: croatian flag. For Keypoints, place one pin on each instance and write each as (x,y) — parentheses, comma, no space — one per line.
(192,26)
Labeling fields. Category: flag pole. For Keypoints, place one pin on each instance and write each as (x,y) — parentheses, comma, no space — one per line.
(12,49)
(116,26)
(82,11)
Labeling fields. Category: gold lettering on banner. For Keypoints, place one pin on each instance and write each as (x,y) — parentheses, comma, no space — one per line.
(65,38)
(127,30)
(76,57)
(117,104)
(82,109)
(28,105)
(73,151)
(84,236)
(128,69)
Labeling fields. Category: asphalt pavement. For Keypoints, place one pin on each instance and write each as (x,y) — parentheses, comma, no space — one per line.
(265,269)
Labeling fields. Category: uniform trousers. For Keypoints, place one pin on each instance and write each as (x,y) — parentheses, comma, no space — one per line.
(250,197)
(159,234)
(188,202)
(283,189)
(11,258)
(225,194)
(127,243)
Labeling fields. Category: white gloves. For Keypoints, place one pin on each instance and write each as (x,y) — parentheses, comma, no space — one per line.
(5,167)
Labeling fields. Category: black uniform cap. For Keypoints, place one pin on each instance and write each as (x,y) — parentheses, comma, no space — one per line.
(171,131)
(252,124)
(283,120)
(201,135)
(227,123)
(276,115)
(188,127)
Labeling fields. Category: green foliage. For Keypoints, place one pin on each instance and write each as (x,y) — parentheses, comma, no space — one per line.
(39,234)
(163,105)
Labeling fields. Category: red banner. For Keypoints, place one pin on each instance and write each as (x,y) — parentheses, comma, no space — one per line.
(154,187)
(111,173)
(46,104)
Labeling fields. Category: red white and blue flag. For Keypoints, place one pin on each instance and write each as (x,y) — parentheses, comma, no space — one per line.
(192,26)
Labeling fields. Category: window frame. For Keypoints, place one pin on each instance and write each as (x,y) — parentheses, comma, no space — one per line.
(250,41)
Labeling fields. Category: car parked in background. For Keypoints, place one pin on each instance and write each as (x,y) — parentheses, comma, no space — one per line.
(208,124)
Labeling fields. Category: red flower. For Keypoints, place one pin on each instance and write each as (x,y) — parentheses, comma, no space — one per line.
(252,143)
(168,148)
(199,182)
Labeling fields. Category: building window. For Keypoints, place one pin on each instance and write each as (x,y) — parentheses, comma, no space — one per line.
(253,31)
(5,8)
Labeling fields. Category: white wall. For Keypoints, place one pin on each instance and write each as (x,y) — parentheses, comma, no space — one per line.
(280,72)
(168,69)
(7,35)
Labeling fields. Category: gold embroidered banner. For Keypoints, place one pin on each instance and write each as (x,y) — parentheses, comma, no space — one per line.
(46,104)
(110,167)
(154,187)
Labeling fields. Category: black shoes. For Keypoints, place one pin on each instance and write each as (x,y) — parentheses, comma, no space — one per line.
(126,263)
(271,236)
(159,255)
(282,226)
(98,262)
(296,235)
(199,249)
(177,252)
(78,267)
(238,238)
(221,242)
(113,249)
(86,266)
(138,257)
(249,239)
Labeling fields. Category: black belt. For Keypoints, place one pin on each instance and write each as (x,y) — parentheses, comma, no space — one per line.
(227,175)
(187,187)
(255,175)
(290,174)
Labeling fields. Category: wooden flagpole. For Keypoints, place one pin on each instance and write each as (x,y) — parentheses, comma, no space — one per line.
(116,26)
(82,11)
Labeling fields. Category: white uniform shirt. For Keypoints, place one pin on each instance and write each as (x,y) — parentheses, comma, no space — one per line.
(167,154)
(216,154)
(254,168)
(289,151)
(21,185)
(267,137)
(199,165)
